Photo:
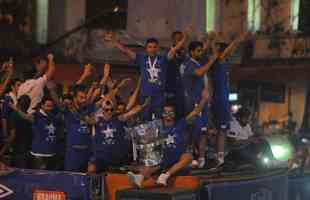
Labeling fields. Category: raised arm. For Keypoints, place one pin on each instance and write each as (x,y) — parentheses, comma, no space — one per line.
(104,81)
(116,90)
(202,70)
(197,110)
(131,54)
(106,74)
(51,67)
(133,98)
(187,33)
(134,111)
(88,69)
(232,45)
(51,86)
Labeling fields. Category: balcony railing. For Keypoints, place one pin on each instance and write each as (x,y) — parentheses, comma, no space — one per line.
(293,47)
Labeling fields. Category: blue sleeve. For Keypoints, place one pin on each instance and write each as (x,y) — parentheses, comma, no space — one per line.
(204,59)
(189,69)
(139,58)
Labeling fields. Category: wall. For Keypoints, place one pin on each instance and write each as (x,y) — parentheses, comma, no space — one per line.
(65,15)
(160,18)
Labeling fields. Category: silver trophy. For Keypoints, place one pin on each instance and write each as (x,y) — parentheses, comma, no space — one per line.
(148,143)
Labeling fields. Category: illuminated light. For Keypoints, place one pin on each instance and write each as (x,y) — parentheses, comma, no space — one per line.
(266,160)
(116,9)
(304,140)
(281,148)
(233,97)
(235,108)
(278,151)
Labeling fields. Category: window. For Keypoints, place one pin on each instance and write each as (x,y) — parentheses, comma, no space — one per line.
(210,15)
(41,21)
(254,15)
(295,5)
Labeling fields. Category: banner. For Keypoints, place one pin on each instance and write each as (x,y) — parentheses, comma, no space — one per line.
(269,188)
(51,185)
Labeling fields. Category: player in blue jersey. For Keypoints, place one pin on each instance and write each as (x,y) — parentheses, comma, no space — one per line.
(193,75)
(79,116)
(176,157)
(153,70)
(220,106)
(111,146)
(79,138)
(45,124)
(174,88)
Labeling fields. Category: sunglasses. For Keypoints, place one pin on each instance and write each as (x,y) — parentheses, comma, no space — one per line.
(168,114)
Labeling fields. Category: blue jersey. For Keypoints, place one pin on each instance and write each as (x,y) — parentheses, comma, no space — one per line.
(219,81)
(175,143)
(78,132)
(44,129)
(193,85)
(153,73)
(220,98)
(174,82)
(110,140)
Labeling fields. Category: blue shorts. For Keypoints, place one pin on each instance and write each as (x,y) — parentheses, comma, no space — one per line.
(200,124)
(76,160)
(168,162)
(221,114)
(155,108)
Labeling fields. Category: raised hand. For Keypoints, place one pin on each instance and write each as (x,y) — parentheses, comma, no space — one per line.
(88,70)
(124,82)
(50,57)
(242,36)
(188,31)
(106,70)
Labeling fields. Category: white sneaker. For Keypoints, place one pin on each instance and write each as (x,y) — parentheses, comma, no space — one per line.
(201,162)
(220,161)
(194,164)
(135,179)
(162,179)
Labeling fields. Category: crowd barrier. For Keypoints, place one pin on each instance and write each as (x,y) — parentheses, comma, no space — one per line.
(299,187)
(46,185)
(273,187)
(25,184)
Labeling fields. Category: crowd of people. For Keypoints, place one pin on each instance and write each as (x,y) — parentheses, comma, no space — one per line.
(87,124)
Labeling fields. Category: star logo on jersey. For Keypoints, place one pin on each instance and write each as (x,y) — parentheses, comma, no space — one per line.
(5,191)
(83,128)
(154,74)
(170,141)
(51,133)
(109,135)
